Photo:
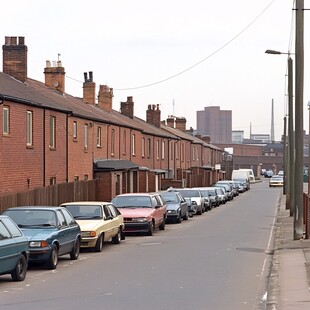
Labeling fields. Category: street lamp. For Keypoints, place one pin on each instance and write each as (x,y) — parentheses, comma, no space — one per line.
(289,170)
(309,152)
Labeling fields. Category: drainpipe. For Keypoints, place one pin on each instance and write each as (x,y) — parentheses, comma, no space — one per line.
(44,152)
(67,149)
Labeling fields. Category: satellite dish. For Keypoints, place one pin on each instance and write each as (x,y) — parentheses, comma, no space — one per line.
(55,84)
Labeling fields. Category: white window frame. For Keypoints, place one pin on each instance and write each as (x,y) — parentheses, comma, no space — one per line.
(29,128)
(98,136)
(143,147)
(6,120)
(85,136)
(52,143)
(74,129)
(133,144)
(162,149)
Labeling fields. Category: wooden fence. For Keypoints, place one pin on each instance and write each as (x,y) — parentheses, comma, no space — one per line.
(53,195)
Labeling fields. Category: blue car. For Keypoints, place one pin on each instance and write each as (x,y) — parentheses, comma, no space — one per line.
(51,232)
(13,250)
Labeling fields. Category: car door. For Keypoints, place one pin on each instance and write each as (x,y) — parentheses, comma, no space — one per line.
(109,223)
(8,250)
(159,210)
(183,204)
(73,227)
(66,234)
(116,223)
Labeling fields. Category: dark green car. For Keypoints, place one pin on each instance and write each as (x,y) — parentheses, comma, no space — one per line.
(51,232)
(14,251)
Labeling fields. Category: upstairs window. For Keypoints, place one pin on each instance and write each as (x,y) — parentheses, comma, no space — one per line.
(29,128)
(85,137)
(143,147)
(98,136)
(52,132)
(133,144)
(112,142)
(6,120)
(74,130)
(162,149)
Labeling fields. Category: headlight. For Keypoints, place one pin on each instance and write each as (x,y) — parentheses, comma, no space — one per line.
(194,203)
(171,211)
(88,234)
(139,219)
(38,244)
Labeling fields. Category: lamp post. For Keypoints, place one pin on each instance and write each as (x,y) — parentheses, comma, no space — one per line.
(289,169)
(309,152)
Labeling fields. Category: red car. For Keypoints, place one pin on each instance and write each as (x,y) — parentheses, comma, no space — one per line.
(142,212)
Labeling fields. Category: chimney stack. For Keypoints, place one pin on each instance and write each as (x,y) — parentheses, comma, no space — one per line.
(180,123)
(89,89)
(15,58)
(105,97)
(55,76)
(127,107)
(153,115)
(170,121)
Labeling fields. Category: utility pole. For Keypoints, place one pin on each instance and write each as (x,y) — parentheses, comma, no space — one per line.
(284,156)
(299,83)
(291,140)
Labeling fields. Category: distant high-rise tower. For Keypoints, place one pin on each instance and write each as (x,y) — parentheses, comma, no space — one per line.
(272,124)
(215,123)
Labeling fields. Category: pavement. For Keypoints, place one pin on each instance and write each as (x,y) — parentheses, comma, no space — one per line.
(289,281)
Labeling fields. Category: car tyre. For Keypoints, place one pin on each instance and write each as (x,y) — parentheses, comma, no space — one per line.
(75,252)
(163,224)
(185,217)
(53,259)
(118,237)
(179,218)
(20,270)
(99,244)
(151,229)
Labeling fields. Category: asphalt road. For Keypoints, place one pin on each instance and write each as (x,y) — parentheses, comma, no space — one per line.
(214,261)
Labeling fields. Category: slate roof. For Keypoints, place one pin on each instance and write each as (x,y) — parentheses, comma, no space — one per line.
(114,164)
(35,93)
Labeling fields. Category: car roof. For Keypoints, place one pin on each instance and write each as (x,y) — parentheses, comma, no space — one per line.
(51,208)
(136,194)
(85,203)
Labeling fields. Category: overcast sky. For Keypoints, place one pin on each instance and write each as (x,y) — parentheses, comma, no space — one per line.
(194,53)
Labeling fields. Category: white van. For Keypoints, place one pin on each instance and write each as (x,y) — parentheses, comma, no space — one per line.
(251,174)
(241,175)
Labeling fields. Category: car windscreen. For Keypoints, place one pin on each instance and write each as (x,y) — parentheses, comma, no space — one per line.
(132,201)
(189,193)
(169,197)
(26,218)
(85,211)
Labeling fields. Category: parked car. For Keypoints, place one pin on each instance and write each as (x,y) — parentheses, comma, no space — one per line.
(176,206)
(14,251)
(228,187)
(51,232)
(99,222)
(208,205)
(269,173)
(194,198)
(221,193)
(276,180)
(142,212)
(241,186)
(211,195)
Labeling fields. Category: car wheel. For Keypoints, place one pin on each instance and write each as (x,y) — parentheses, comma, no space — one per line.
(179,218)
(75,252)
(99,244)
(185,217)
(20,270)
(151,229)
(53,260)
(163,224)
(199,212)
(117,238)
